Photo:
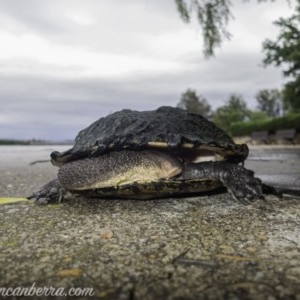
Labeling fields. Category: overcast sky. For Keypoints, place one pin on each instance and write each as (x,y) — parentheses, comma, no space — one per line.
(65,63)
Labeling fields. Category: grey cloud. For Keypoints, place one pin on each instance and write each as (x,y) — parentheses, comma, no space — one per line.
(52,107)
(39,105)
(118,23)
(33,14)
(41,113)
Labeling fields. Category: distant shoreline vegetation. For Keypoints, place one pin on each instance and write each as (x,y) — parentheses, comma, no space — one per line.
(34,142)
(290,121)
(13,142)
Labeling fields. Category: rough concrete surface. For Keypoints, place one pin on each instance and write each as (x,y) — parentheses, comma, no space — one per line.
(204,247)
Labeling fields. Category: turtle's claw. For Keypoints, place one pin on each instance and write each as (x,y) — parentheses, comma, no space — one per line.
(240,182)
(51,192)
(243,186)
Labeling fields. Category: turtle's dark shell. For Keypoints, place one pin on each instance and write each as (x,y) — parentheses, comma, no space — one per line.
(167,127)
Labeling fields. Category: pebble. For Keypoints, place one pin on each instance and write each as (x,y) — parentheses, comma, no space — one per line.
(106,233)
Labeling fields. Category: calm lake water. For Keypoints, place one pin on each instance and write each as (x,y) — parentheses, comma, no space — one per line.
(25,154)
(275,154)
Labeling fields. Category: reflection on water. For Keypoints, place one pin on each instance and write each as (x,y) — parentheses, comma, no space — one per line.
(278,155)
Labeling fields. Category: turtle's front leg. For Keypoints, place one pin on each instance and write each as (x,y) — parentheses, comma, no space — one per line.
(51,192)
(239,181)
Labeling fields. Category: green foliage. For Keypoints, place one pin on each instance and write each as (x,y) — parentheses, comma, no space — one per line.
(191,102)
(235,110)
(271,125)
(286,51)
(258,116)
(269,101)
(291,95)
(212,16)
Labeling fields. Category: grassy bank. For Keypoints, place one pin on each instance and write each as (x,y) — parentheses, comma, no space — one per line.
(291,121)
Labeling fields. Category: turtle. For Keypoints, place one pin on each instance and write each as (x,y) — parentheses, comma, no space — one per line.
(167,152)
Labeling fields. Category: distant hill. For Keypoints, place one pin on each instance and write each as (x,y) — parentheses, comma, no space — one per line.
(34,142)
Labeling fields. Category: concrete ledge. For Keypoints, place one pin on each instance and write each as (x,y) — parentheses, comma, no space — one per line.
(205,247)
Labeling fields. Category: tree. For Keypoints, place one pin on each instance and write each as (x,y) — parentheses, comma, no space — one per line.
(269,101)
(291,95)
(286,51)
(213,17)
(235,110)
(191,102)
(255,116)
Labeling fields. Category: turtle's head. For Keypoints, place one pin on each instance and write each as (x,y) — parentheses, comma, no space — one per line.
(60,158)
(241,153)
